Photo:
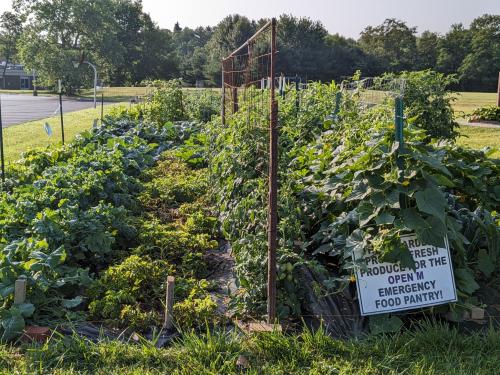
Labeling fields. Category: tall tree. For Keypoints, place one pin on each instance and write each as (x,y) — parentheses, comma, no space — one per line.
(393,44)
(303,47)
(191,54)
(479,69)
(344,57)
(11,27)
(58,31)
(427,50)
(149,51)
(452,49)
(230,33)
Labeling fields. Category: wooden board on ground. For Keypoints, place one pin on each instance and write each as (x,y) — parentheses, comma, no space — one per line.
(249,327)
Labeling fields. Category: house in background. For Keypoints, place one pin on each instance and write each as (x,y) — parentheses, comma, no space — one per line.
(15,78)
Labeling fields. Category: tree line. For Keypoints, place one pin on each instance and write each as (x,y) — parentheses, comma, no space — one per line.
(128,47)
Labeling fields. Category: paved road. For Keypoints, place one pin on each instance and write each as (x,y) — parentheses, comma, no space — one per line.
(18,108)
(478,124)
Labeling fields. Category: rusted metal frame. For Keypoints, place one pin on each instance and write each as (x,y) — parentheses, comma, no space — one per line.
(223,96)
(272,229)
(254,36)
(247,84)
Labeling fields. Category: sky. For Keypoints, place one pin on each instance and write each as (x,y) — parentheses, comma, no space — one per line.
(346,17)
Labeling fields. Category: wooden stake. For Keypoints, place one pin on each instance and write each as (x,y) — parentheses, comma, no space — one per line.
(19,291)
(169,303)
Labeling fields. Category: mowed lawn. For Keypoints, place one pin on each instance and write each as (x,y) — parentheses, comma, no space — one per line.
(476,137)
(32,134)
(467,102)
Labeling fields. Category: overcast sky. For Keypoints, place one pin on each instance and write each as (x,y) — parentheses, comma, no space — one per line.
(346,17)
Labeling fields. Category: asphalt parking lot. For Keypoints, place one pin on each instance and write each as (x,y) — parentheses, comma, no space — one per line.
(19,108)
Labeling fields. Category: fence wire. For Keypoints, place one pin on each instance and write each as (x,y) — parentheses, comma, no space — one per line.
(374,91)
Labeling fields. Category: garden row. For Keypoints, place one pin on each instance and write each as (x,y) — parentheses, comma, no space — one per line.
(95,228)
(341,191)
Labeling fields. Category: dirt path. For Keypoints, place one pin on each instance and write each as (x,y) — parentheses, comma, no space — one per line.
(222,264)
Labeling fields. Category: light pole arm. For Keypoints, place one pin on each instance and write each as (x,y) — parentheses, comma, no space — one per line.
(95,80)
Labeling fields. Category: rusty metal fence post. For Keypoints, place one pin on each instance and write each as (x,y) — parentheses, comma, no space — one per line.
(249,68)
(223,98)
(2,159)
(273,188)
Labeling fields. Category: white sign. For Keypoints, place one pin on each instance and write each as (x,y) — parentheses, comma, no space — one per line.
(388,287)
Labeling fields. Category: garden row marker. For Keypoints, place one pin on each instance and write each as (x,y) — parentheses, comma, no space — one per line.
(399,122)
(169,303)
(19,291)
(1,143)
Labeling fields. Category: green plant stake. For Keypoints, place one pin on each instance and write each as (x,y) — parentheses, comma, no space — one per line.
(399,121)
(338,98)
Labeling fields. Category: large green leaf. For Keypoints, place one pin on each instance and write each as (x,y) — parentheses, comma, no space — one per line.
(25,309)
(12,325)
(384,323)
(484,263)
(397,252)
(413,220)
(465,281)
(71,303)
(434,233)
(384,218)
(432,201)
(356,242)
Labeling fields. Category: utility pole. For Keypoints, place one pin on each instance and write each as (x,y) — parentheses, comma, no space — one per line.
(498,91)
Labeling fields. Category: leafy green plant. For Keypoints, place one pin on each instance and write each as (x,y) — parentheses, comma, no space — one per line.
(197,308)
(129,293)
(165,103)
(341,189)
(491,113)
(67,214)
(428,103)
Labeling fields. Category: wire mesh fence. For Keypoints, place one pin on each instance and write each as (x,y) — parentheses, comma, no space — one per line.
(249,95)
(374,91)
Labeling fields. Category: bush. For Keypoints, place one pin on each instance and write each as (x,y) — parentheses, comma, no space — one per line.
(491,113)
(428,103)
(201,105)
(165,103)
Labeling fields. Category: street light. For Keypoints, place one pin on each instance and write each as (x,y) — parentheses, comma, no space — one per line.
(77,64)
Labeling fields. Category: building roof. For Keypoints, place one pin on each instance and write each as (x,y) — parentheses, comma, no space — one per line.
(14,70)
